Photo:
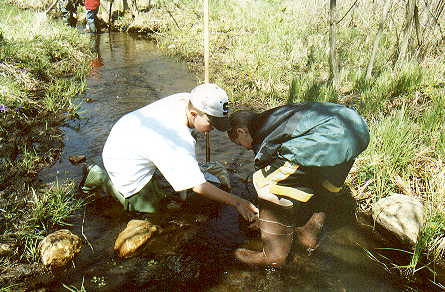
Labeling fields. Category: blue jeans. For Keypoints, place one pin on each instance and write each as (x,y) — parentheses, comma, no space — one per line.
(91,20)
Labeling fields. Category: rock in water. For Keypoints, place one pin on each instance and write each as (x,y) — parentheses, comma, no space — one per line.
(133,236)
(59,248)
(400,214)
(77,159)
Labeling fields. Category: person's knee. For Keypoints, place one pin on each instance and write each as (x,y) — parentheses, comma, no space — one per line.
(278,258)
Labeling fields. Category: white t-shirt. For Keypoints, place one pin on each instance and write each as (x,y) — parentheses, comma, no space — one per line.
(155,136)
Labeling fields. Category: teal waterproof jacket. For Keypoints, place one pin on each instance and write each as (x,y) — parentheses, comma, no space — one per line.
(309,134)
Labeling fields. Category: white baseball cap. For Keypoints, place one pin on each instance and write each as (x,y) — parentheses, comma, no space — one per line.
(213,101)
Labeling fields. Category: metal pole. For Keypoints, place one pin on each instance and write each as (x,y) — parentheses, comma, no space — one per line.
(206,65)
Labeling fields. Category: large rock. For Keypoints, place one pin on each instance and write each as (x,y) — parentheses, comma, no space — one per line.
(6,249)
(400,214)
(59,248)
(134,236)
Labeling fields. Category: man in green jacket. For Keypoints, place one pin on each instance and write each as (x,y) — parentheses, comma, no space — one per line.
(303,154)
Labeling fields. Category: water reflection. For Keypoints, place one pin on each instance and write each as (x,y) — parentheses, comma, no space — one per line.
(97,62)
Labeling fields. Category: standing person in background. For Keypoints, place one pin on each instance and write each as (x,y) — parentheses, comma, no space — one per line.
(159,136)
(68,8)
(303,154)
(92,7)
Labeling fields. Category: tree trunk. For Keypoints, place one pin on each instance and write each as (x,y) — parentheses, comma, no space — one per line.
(433,15)
(407,31)
(124,5)
(333,65)
(377,39)
(130,5)
(134,7)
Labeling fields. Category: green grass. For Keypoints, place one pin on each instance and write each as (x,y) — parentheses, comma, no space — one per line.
(36,53)
(72,288)
(9,288)
(48,209)
(388,91)
(29,159)
(54,205)
(43,65)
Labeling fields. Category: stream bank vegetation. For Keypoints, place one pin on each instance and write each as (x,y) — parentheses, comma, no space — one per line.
(384,58)
(43,66)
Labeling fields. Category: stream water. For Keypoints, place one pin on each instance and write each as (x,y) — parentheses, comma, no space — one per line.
(129,73)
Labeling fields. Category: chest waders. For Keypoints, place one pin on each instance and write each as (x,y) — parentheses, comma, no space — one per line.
(147,200)
(276,236)
(286,191)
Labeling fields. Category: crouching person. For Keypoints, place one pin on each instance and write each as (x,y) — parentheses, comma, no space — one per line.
(303,154)
(158,136)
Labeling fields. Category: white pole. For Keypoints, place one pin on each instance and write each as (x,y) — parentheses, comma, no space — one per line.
(206,41)
(206,64)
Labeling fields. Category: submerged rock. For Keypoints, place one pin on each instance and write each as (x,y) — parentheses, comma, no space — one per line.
(134,236)
(400,214)
(76,159)
(6,249)
(59,248)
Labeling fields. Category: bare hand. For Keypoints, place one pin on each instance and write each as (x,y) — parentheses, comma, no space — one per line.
(255,225)
(247,210)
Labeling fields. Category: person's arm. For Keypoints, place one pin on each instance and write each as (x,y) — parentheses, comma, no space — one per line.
(244,207)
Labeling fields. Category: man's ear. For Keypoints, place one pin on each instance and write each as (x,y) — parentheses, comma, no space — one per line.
(193,113)
(241,131)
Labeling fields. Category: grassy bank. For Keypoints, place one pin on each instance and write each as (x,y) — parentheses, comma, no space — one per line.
(43,65)
(268,53)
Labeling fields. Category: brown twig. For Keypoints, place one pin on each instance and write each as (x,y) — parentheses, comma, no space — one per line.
(347,12)
(51,6)
(171,15)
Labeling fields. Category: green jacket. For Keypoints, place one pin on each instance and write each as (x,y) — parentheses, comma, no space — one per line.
(309,134)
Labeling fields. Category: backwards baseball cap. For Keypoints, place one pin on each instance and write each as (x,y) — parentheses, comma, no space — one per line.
(213,101)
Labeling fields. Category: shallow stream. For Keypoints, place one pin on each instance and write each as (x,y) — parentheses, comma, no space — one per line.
(129,73)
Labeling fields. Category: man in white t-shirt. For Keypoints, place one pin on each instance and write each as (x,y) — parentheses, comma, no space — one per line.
(158,136)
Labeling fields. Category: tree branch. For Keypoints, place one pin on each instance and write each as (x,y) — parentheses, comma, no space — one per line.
(347,12)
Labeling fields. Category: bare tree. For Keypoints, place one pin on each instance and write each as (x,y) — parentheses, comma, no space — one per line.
(130,5)
(134,7)
(405,38)
(333,65)
(377,39)
(433,9)
(433,14)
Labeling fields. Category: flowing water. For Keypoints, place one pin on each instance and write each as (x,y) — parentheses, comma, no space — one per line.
(193,254)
